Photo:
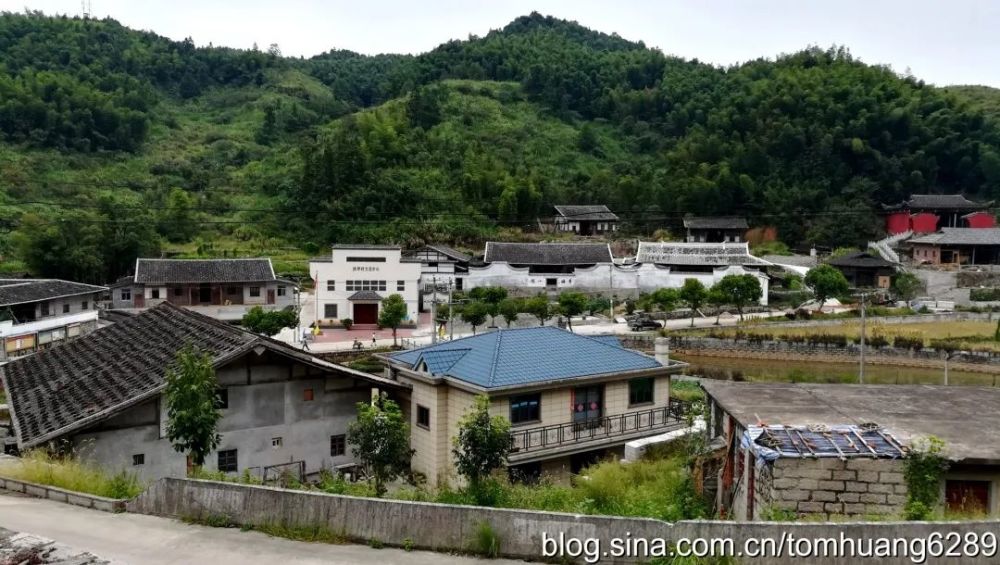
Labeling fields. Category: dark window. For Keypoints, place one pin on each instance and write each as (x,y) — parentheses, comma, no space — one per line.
(126,294)
(276,442)
(423,416)
(139,459)
(551,282)
(400,285)
(640,391)
(458,284)
(83,305)
(65,308)
(281,291)
(331,285)
(254,291)
(366,259)
(222,398)
(525,408)
(178,291)
(338,445)
(45,308)
(227,461)
(307,395)
(329,310)
(154,293)
(234,290)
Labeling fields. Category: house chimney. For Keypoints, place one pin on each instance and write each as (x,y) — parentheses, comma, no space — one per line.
(661,350)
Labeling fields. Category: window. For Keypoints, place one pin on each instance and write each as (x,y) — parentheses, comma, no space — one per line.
(331,285)
(281,291)
(138,459)
(423,416)
(338,445)
(178,291)
(400,285)
(45,308)
(66,308)
(254,291)
(222,398)
(233,290)
(227,461)
(154,293)
(83,305)
(525,408)
(276,442)
(640,391)
(353,286)
(126,294)
(307,395)
(551,282)
(329,310)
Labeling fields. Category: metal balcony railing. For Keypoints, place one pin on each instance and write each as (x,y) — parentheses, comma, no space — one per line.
(663,419)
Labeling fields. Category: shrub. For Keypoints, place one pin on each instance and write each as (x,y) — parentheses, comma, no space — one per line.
(347,323)
(487,542)
(984,294)
(72,474)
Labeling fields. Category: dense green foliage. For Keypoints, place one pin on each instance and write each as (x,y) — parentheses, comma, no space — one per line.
(482,444)
(826,282)
(192,405)
(925,464)
(247,149)
(269,322)
(380,441)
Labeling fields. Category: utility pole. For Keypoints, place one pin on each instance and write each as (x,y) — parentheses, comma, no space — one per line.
(861,369)
(434,301)
(451,322)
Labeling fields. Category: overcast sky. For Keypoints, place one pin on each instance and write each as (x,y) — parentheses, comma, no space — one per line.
(942,42)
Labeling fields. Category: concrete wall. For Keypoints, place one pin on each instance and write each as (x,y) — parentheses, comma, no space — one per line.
(267,400)
(62,495)
(519,532)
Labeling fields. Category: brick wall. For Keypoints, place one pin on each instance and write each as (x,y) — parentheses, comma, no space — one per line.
(832,487)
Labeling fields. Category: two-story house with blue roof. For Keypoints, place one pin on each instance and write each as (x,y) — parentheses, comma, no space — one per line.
(571,399)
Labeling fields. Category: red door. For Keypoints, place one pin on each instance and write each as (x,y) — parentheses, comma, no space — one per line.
(140,300)
(967,497)
(270,296)
(366,313)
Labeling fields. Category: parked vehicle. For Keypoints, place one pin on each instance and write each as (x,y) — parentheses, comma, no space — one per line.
(642,324)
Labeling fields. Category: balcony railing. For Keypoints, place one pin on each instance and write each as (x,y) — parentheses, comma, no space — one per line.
(663,419)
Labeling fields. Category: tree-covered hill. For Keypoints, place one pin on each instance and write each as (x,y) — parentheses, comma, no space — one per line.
(117,142)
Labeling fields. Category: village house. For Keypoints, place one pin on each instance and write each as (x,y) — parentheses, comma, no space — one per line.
(440,265)
(353,282)
(102,396)
(571,399)
(224,289)
(38,313)
(957,246)
(585,220)
(828,450)
(669,264)
(535,267)
(715,229)
(865,270)
(926,213)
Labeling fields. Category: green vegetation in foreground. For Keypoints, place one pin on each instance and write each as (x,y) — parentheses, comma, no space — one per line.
(72,474)
(688,391)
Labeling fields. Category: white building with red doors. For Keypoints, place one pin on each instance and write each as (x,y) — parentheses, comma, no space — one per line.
(355,280)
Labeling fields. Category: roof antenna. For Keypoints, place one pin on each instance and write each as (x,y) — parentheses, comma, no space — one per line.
(86,8)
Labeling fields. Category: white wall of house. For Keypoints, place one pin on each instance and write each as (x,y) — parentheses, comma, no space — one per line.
(351,270)
(59,319)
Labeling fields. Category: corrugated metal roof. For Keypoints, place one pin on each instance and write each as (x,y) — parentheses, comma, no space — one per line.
(523,356)
(842,441)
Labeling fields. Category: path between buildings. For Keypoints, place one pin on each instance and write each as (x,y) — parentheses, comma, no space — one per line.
(150,540)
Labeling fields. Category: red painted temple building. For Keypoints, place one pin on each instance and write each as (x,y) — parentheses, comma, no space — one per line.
(926,213)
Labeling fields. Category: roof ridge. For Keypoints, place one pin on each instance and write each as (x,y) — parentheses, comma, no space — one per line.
(496,356)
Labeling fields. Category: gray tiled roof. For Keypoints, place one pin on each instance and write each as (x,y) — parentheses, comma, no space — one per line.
(22,291)
(547,253)
(861,259)
(365,295)
(716,223)
(151,271)
(961,236)
(450,252)
(702,254)
(87,379)
(598,212)
(525,356)
(940,202)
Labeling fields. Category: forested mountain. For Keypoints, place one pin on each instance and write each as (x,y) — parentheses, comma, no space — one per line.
(118,142)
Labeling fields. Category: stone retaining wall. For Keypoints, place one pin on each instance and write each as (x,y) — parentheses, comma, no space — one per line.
(833,487)
(63,495)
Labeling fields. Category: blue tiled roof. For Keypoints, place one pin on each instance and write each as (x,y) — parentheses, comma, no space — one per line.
(522,356)
(608,339)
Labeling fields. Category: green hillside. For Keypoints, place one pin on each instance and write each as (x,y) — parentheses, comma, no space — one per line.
(116,143)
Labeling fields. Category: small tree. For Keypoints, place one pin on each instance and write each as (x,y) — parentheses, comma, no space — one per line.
(540,308)
(740,290)
(270,322)
(717,298)
(906,285)
(482,443)
(192,405)
(572,304)
(598,304)
(509,310)
(392,314)
(380,440)
(664,298)
(826,282)
(474,314)
(693,294)
(491,296)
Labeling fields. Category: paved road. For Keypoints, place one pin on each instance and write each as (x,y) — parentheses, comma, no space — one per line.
(148,540)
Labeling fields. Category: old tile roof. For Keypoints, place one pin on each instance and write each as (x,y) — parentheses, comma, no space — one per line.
(365,295)
(861,259)
(524,356)
(598,212)
(960,236)
(702,254)
(450,252)
(939,202)
(716,223)
(90,378)
(547,253)
(152,271)
(22,291)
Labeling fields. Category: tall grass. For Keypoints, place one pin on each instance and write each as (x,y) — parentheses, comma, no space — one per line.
(72,474)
